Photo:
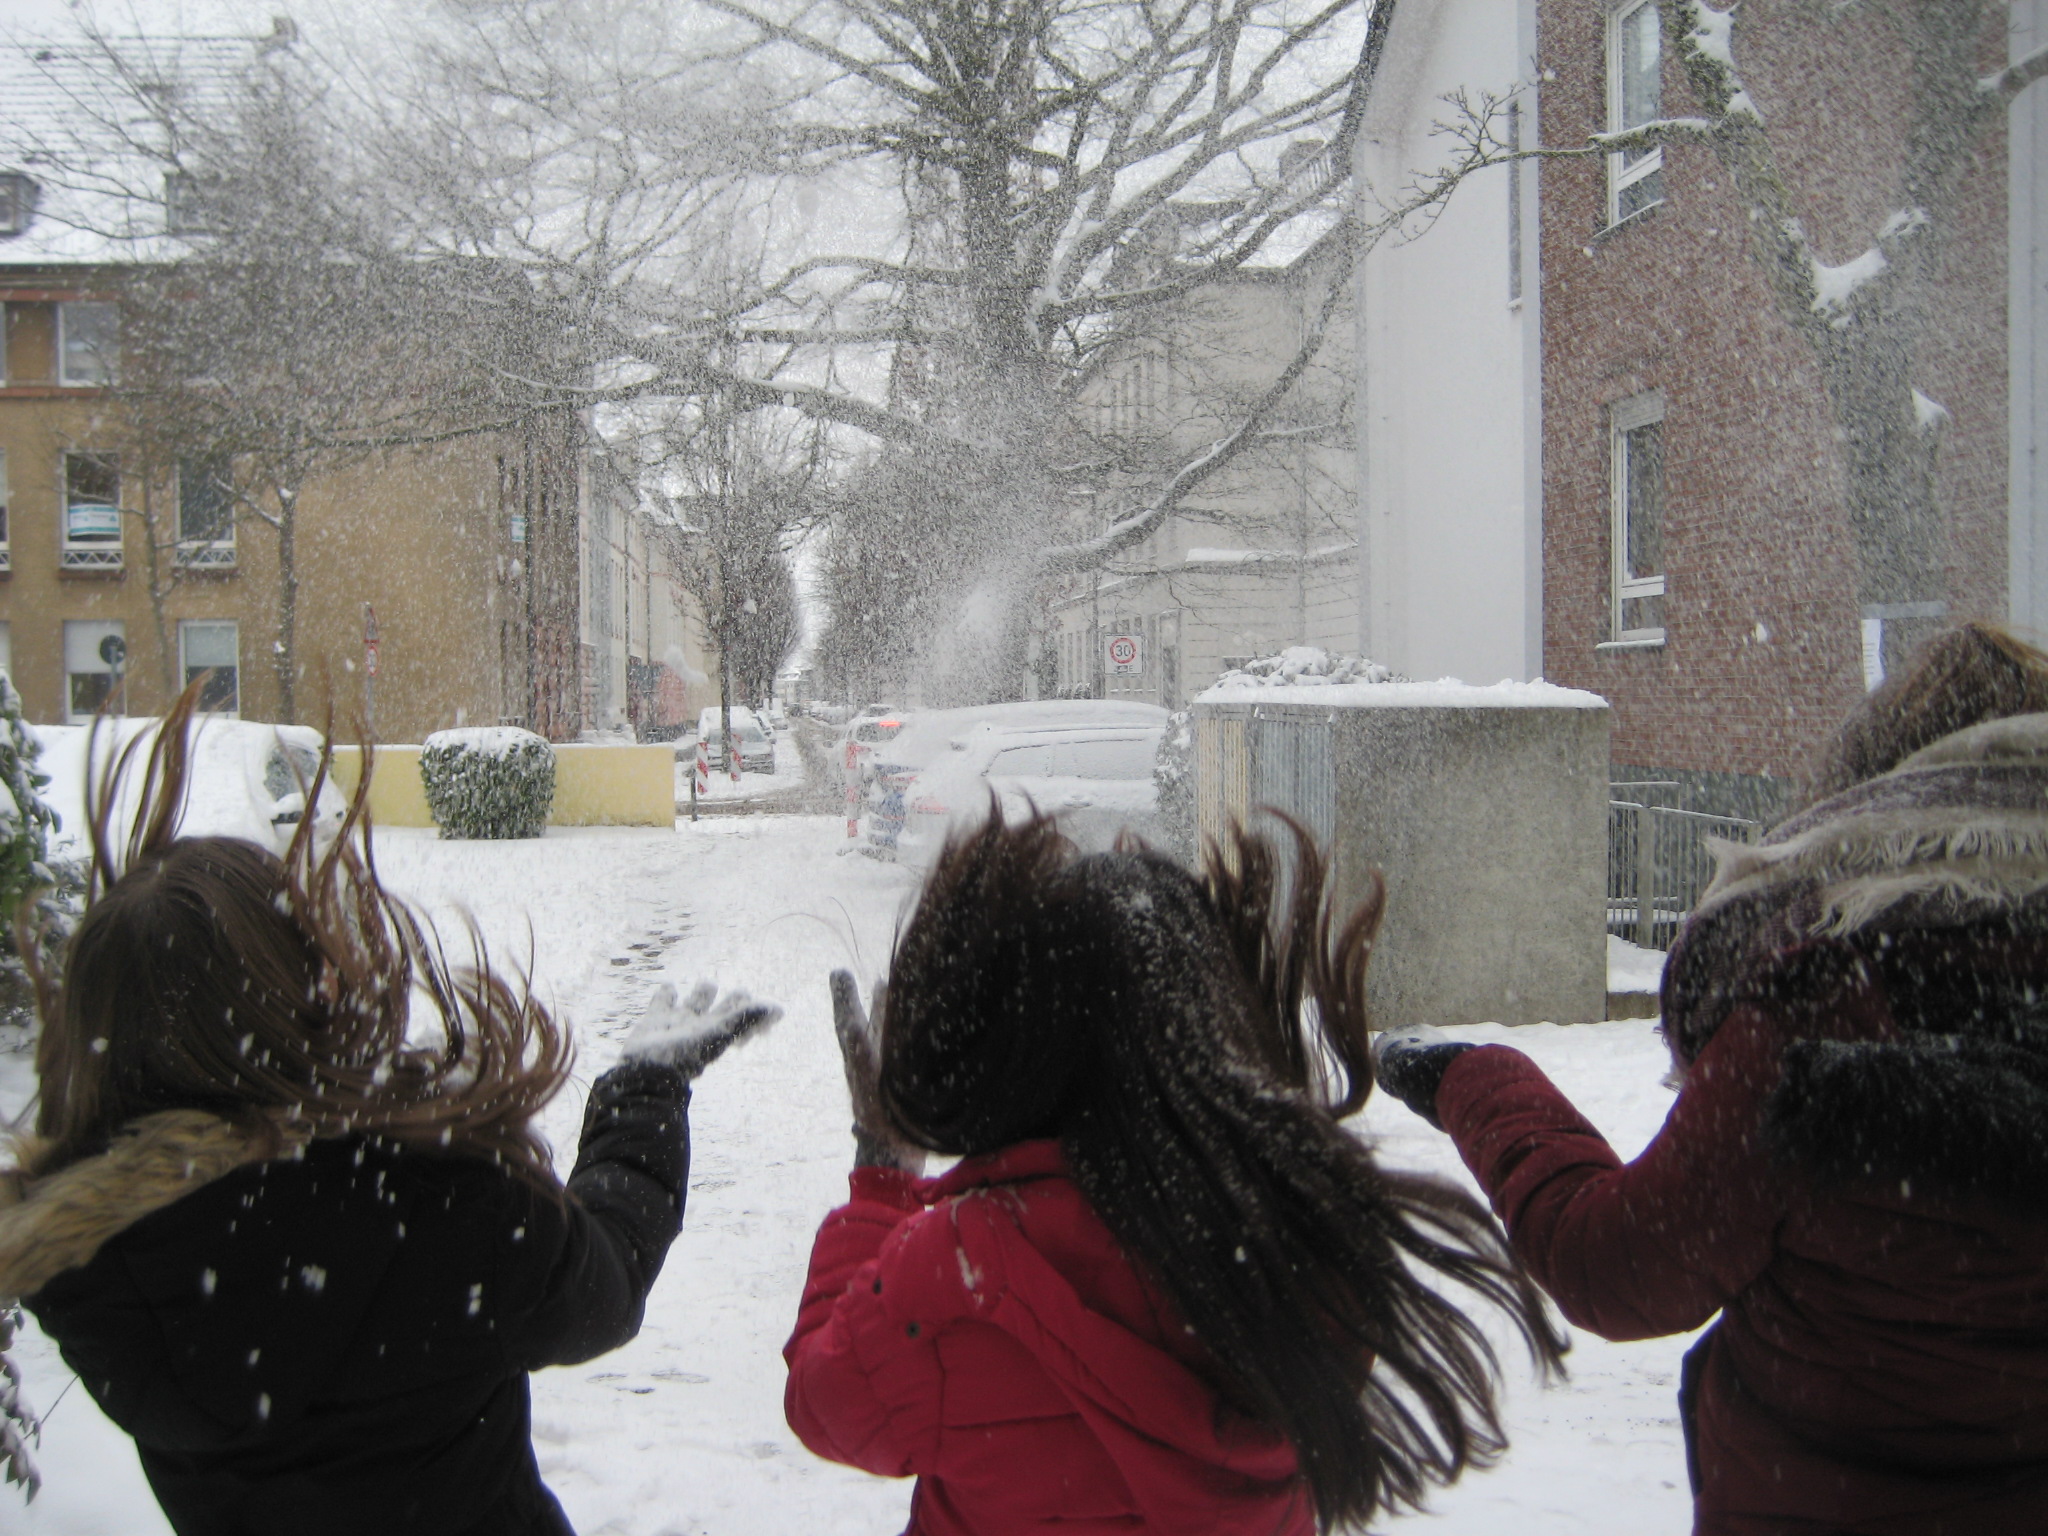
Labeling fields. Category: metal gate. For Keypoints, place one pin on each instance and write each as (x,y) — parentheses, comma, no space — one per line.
(1658,863)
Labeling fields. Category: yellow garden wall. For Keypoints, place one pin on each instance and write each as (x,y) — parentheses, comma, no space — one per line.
(594,786)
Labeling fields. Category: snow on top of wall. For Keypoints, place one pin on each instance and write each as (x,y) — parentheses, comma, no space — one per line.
(1305,674)
(491,740)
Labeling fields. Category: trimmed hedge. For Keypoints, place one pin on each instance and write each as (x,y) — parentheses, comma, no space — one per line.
(488,781)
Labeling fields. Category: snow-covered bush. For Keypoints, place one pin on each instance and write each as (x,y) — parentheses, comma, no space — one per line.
(18,1425)
(1173,773)
(488,781)
(1307,666)
(26,822)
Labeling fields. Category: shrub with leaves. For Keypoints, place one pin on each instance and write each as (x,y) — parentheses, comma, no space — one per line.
(1173,772)
(18,1425)
(26,822)
(488,781)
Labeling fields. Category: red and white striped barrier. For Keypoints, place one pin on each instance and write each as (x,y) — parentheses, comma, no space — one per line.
(703,770)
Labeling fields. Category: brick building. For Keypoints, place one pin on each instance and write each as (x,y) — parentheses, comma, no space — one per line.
(506,583)
(1700,564)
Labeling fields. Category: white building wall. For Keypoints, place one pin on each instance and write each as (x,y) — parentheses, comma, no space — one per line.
(2028,350)
(1449,410)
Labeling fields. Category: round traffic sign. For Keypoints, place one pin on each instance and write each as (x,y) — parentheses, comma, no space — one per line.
(1123,650)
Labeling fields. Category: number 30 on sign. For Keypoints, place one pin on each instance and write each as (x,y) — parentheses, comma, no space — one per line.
(1125,655)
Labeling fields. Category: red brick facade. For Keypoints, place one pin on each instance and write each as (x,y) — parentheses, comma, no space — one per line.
(1761,610)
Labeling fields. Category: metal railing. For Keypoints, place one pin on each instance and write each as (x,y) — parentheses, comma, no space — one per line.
(1658,862)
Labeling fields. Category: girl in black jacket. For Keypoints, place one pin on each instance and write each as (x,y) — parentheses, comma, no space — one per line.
(306,1261)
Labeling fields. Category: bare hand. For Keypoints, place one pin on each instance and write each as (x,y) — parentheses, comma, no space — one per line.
(876,1143)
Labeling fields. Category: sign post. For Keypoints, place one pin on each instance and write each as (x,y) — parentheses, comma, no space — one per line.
(114,652)
(370,670)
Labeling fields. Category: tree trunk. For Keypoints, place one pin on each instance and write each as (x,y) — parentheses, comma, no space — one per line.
(287,656)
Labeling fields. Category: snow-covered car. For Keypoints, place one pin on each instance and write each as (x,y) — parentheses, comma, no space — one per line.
(941,739)
(1095,781)
(756,746)
(248,779)
(864,734)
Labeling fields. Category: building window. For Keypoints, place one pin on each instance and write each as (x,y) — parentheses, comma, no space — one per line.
(189,206)
(206,512)
(6,651)
(1636,432)
(92,512)
(1635,95)
(95,661)
(17,202)
(6,548)
(211,649)
(88,343)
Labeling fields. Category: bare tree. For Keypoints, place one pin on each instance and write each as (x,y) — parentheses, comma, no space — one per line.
(980,197)
(273,329)
(729,493)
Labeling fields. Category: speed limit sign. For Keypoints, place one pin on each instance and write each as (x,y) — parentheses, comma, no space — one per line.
(1125,655)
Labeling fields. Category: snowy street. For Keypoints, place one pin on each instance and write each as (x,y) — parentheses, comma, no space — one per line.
(681,1432)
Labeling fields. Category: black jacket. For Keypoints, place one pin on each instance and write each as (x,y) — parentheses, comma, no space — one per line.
(339,1343)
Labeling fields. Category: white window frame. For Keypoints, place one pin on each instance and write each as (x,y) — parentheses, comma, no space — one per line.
(185,628)
(112,365)
(1624,417)
(202,554)
(120,675)
(92,554)
(1622,173)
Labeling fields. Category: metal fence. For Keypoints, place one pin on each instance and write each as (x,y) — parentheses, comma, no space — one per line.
(1658,861)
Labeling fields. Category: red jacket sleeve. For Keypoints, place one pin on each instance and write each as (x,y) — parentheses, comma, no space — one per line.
(1656,1246)
(854,1394)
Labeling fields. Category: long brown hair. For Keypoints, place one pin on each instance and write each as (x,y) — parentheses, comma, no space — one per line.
(1192,1043)
(1959,678)
(208,973)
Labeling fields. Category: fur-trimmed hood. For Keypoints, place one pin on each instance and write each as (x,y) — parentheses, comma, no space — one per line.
(1921,895)
(57,1222)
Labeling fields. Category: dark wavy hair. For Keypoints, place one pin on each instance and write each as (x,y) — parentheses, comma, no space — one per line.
(1193,1044)
(1959,677)
(208,973)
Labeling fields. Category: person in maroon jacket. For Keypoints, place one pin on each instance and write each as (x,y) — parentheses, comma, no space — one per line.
(1855,1172)
(1163,1290)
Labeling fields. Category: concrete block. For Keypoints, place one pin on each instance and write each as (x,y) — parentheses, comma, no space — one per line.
(1484,809)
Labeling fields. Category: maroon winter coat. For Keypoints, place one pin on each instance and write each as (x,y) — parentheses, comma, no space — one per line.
(984,1331)
(1855,1172)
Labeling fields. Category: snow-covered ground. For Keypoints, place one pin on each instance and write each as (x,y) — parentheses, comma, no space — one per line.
(681,1432)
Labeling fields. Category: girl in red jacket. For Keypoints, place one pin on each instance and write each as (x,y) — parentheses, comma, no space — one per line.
(1855,1173)
(1163,1290)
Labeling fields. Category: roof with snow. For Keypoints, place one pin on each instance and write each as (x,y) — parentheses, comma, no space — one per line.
(90,137)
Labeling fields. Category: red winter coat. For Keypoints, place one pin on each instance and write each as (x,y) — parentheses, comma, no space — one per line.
(985,1332)
(1881,1363)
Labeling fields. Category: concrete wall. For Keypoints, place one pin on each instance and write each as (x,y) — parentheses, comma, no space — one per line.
(1489,826)
(595,786)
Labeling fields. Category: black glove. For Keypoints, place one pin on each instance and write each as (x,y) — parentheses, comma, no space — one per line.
(1410,1064)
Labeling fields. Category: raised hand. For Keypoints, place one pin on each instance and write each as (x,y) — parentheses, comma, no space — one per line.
(1410,1064)
(875,1142)
(691,1034)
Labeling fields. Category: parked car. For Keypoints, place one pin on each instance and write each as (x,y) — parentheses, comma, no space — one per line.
(756,746)
(864,733)
(937,745)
